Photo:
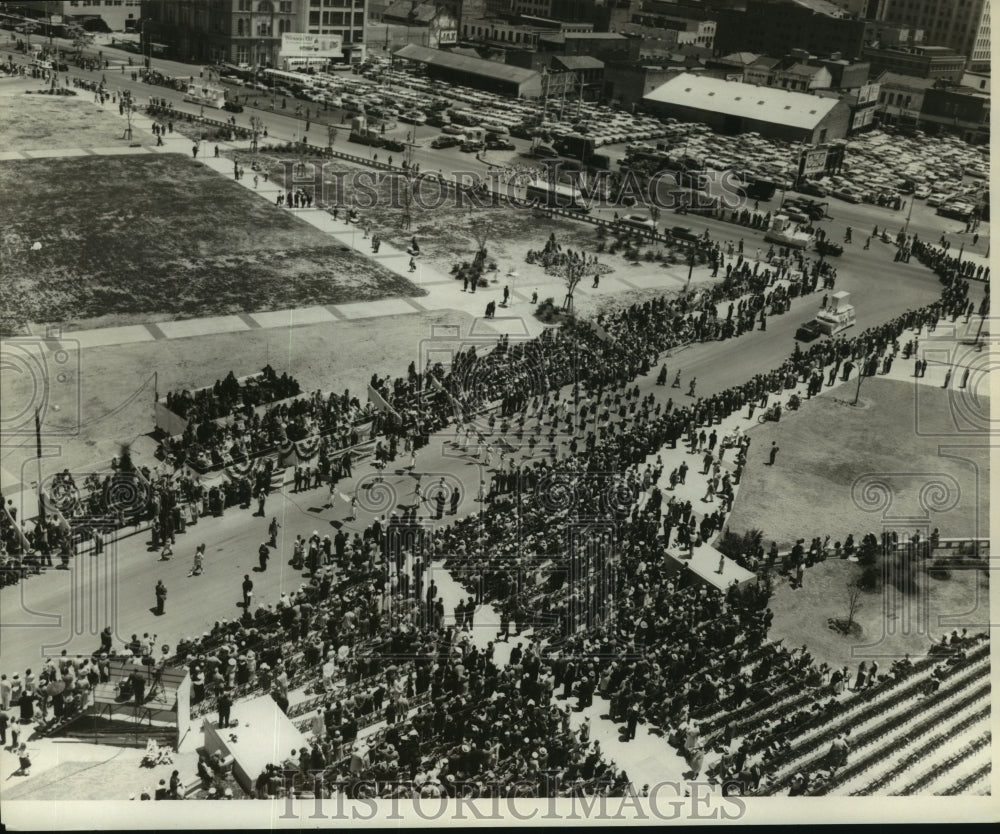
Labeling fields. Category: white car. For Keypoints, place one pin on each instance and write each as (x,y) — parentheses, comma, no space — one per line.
(922,192)
(937,198)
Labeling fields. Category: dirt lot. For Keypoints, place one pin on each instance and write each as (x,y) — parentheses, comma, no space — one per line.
(843,470)
(115,240)
(52,122)
(446,229)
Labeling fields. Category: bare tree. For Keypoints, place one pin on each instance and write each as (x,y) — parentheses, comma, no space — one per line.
(256,127)
(406,199)
(480,230)
(575,267)
(854,592)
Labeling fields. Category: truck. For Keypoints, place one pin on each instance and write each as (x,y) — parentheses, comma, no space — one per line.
(205,95)
(836,318)
(783,233)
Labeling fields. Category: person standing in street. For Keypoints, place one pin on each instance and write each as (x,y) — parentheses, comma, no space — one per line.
(247,591)
(773,453)
(161,597)
(262,556)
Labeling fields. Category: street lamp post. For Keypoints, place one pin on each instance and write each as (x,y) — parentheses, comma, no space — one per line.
(861,376)
(38,459)
(690,268)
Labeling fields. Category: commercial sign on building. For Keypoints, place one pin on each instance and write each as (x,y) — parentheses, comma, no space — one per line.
(302,45)
(446,36)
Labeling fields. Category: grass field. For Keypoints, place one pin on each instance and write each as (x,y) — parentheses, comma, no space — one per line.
(833,458)
(136,238)
(37,122)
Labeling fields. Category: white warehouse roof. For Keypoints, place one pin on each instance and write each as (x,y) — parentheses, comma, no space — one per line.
(748,101)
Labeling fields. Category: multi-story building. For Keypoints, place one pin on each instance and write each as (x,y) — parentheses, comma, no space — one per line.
(921,61)
(962,25)
(518,32)
(119,15)
(606,46)
(776,28)
(343,18)
(249,32)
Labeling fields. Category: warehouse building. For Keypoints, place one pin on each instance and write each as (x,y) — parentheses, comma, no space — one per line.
(478,73)
(734,107)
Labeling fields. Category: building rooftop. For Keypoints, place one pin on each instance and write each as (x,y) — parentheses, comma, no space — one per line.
(823,7)
(748,101)
(561,37)
(740,58)
(898,79)
(580,62)
(463,63)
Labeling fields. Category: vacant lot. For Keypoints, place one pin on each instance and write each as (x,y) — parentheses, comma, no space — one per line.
(847,470)
(891,624)
(38,122)
(115,240)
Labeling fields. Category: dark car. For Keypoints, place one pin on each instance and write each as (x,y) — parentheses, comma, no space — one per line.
(811,188)
(683,232)
(808,331)
(829,248)
(445,142)
(500,145)
(232,107)
(472,147)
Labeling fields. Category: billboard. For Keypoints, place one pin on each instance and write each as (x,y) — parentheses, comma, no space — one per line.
(813,162)
(301,45)
(447,36)
(868,93)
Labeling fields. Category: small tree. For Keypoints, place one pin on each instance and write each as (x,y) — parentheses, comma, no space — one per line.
(81,38)
(574,274)
(256,128)
(854,592)
(480,230)
(30,27)
(406,199)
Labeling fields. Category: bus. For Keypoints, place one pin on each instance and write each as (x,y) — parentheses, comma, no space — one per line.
(556,195)
(205,95)
(292,80)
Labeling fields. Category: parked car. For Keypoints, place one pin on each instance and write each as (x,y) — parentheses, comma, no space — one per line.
(936,198)
(958,211)
(500,145)
(445,142)
(829,248)
(846,195)
(472,147)
(922,192)
(812,188)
